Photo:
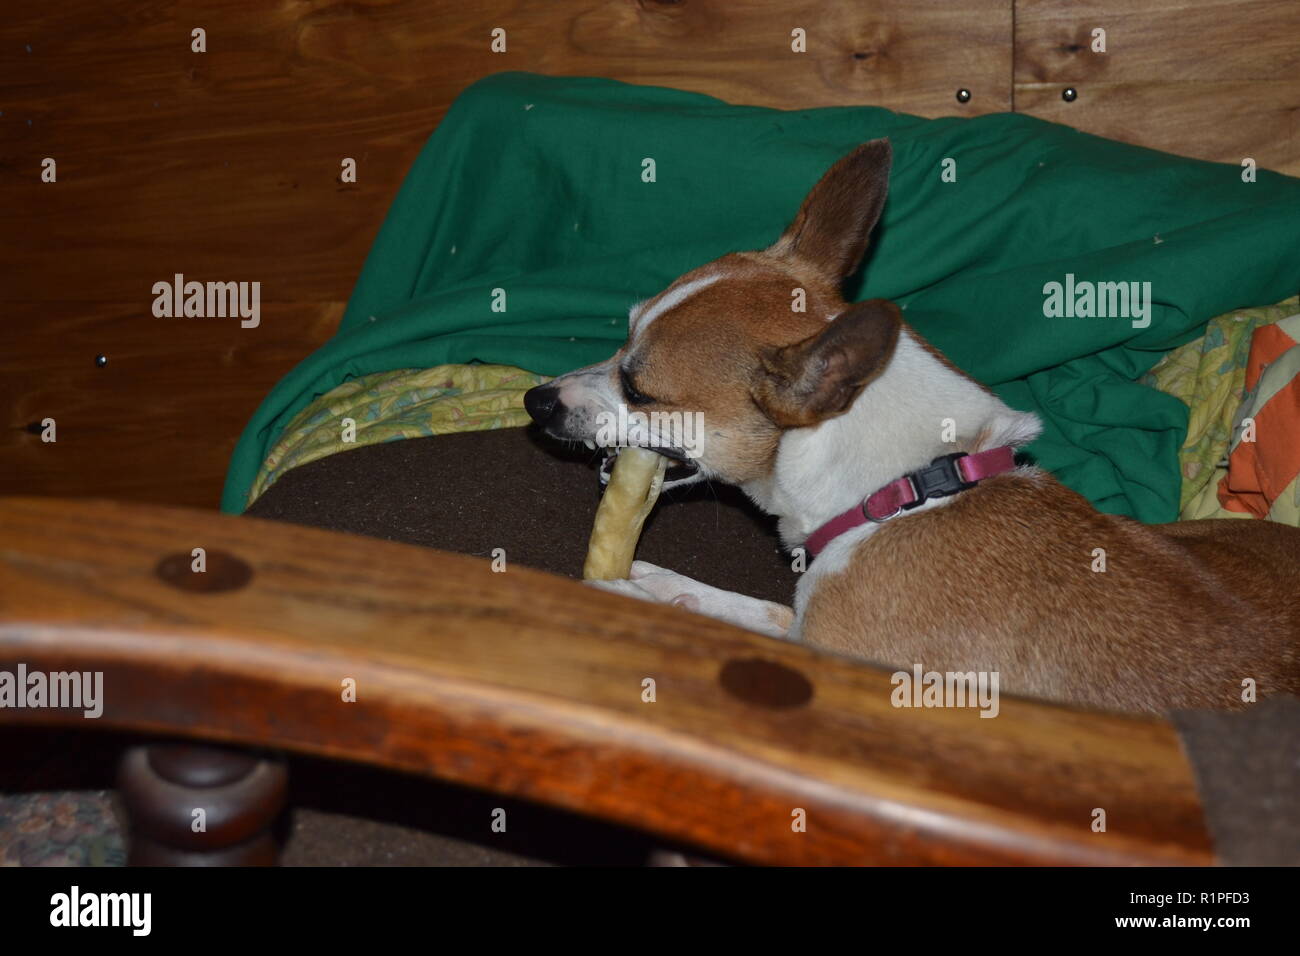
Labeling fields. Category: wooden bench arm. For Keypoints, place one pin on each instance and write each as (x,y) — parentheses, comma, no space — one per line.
(532,685)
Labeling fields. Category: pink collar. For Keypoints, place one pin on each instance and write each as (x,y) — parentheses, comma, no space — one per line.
(944,476)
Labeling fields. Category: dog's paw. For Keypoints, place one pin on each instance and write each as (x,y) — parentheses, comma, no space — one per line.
(657,585)
(668,587)
(649,582)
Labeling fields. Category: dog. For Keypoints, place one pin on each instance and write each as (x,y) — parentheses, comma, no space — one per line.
(927,549)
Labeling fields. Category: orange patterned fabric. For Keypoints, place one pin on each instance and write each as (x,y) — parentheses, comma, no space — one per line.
(1265,458)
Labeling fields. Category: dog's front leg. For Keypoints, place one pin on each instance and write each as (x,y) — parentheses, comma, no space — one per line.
(652,583)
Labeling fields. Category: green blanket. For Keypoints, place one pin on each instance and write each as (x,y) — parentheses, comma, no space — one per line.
(534,185)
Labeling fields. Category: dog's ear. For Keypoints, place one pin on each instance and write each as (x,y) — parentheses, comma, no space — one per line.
(807,382)
(837,217)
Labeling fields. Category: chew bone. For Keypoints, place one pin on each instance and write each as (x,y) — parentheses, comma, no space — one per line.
(634,486)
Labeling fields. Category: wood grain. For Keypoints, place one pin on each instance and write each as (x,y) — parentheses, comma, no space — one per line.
(225,164)
(161,418)
(531,685)
(1214,79)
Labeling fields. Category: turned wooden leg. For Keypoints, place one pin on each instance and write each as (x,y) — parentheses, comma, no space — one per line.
(200,805)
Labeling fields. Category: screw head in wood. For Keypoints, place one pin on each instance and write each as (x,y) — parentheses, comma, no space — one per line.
(1069,94)
(963,95)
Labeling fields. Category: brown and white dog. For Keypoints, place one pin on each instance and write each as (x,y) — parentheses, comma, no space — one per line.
(1004,570)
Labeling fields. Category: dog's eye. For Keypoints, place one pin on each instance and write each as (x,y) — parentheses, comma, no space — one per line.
(630,392)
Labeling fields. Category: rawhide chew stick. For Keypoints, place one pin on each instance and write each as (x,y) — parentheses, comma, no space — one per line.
(634,485)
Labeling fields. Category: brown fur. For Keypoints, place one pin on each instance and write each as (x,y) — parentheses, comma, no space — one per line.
(729,325)
(1001,579)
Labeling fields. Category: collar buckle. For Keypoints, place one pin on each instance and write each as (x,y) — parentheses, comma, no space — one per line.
(939,479)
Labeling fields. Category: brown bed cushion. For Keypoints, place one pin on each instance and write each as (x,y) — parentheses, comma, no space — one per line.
(511,488)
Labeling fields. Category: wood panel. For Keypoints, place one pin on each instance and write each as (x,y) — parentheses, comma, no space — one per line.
(160,419)
(532,685)
(1214,79)
(225,166)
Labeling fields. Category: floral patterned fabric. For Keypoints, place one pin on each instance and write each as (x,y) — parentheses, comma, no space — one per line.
(407,403)
(1209,376)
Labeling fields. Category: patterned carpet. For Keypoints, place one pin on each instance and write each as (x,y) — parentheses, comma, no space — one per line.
(60,828)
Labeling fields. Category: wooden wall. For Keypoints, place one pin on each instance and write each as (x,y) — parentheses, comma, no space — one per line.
(1215,79)
(224,165)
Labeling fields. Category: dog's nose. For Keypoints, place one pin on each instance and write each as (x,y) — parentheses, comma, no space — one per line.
(540,402)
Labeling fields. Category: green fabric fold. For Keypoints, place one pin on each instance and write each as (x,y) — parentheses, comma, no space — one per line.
(533,185)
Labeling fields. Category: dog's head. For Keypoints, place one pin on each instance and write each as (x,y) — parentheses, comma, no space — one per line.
(718,365)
